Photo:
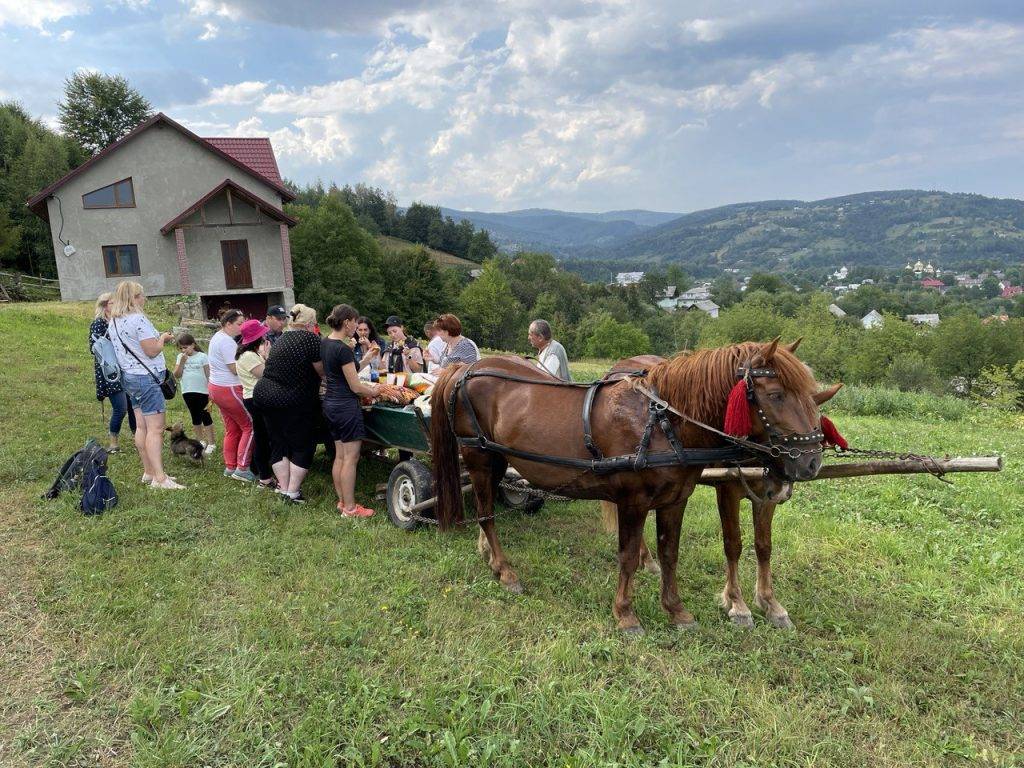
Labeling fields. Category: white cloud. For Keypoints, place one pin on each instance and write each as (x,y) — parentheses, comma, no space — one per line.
(210,31)
(238,93)
(309,139)
(36,13)
(66,35)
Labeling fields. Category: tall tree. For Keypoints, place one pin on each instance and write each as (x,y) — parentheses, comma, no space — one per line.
(488,310)
(99,109)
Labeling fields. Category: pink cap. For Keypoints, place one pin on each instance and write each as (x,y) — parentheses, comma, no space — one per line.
(252,330)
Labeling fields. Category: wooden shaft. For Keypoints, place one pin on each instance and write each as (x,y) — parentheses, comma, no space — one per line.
(415,509)
(717,475)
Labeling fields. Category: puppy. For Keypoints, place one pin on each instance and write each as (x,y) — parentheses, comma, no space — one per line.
(185,446)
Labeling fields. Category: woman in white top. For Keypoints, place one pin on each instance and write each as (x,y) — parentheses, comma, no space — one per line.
(140,353)
(226,393)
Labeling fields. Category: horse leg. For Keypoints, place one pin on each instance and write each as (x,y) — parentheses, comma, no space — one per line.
(670,520)
(484,472)
(729,498)
(764,596)
(610,521)
(631,527)
(647,560)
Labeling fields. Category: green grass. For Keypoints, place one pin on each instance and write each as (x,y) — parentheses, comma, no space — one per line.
(218,627)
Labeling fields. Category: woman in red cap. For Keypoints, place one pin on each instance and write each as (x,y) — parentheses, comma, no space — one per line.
(251,357)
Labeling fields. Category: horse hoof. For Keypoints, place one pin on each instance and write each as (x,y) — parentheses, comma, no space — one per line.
(744,620)
(635,631)
(781,622)
(516,588)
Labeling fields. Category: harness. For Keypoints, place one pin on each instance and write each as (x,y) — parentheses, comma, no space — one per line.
(780,444)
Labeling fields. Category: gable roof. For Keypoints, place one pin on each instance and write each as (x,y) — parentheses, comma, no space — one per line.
(242,192)
(256,154)
(37,204)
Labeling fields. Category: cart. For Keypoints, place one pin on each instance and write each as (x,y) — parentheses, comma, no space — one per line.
(410,487)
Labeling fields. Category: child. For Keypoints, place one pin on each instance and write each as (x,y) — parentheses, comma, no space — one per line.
(193,368)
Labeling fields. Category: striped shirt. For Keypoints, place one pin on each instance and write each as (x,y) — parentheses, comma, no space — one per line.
(464,351)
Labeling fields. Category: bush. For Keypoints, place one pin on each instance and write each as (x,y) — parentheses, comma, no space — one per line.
(996,388)
(912,373)
(882,401)
(616,340)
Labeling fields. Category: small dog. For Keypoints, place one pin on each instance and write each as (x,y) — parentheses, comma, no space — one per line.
(185,446)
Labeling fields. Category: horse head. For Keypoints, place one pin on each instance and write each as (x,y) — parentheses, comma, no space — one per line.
(781,399)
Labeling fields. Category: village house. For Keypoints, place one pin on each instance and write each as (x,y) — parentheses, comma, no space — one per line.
(872,319)
(836,311)
(925,319)
(706,306)
(628,278)
(177,213)
(700,292)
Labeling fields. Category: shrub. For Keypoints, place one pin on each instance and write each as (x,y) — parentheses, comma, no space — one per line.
(882,401)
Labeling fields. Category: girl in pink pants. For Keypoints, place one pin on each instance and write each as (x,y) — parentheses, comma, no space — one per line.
(226,393)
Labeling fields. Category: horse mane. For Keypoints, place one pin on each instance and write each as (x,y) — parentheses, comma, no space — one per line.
(698,383)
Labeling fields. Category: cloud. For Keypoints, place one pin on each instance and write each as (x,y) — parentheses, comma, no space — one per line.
(37,13)
(66,35)
(316,139)
(210,31)
(238,93)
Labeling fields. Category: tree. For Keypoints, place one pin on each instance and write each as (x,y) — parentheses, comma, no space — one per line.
(481,248)
(725,293)
(488,311)
(414,289)
(615,340)
(336,261)
(99,109)
(762,281)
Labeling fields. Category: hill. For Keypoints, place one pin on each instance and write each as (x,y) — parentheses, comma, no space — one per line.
(443,258)
(560,232)
(872,228)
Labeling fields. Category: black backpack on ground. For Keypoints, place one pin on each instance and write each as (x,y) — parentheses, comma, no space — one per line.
(86,469)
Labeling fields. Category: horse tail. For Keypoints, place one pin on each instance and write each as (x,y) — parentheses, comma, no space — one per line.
(444,450)
(610,516)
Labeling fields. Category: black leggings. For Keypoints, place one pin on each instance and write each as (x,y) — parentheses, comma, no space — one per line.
(292,434)
(260,441)
(197,402)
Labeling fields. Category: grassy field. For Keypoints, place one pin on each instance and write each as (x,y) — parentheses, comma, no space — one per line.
(218,627)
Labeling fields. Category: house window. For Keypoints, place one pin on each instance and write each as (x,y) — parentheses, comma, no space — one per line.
(121,260)
(120,194)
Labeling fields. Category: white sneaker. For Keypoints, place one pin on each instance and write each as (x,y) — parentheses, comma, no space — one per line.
(168,485)
(210,448)
(146,479)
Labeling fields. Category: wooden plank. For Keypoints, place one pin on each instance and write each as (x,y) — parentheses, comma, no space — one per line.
(717,475)
(231,208)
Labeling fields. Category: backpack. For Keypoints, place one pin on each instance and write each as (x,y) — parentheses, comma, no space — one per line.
(86,469)
(106,359)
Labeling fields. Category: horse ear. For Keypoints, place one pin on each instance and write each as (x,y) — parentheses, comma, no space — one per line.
(820,398)
(769,351)
(792,347)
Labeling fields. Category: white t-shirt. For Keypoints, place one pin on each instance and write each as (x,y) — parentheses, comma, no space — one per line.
(436,348)
(221,352)
(129,330)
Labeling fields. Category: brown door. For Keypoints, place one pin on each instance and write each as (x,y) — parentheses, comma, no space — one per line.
(237,273)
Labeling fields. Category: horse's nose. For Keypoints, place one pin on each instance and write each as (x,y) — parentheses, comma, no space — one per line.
(812,468)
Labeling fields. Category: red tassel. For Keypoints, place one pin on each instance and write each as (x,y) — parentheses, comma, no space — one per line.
(832,436)
(737,412)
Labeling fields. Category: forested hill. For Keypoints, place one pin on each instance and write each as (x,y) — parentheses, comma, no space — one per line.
(561,232)
(876,228)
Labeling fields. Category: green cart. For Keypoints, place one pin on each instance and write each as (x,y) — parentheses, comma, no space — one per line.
(410,489)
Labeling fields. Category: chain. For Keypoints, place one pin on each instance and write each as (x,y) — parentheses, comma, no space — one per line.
(928,462)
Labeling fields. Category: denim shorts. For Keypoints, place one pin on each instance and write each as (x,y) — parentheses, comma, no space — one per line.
(144,393)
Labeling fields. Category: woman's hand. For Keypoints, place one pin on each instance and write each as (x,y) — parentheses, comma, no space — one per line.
(264,349)
(167,336)
(351,342)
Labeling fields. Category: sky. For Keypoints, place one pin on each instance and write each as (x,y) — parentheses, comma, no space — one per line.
(589,106)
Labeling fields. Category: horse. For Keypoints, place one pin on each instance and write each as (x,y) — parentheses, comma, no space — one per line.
(496,412)
(765,495)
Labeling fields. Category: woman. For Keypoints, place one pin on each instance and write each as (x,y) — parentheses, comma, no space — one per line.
(458,349)
(193,369)
(140,353)
(288,396)
(226,393)
(113,391)
(341,406)
(368,343)
(252,356)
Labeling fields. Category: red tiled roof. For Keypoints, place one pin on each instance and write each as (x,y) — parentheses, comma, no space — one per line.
(931,282)
(37,204)
(257,202)
(1010,291)
(256,154)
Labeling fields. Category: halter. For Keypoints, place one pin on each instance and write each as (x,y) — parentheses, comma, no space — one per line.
(780,444)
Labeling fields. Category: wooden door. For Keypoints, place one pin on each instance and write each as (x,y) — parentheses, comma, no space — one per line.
(237,273)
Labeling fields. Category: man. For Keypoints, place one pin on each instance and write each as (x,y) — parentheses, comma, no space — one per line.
(276,320)
(435,348)
(550,354)
(402,354)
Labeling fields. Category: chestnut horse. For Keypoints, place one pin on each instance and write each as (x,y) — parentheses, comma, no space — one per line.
(764,494)
(537,427)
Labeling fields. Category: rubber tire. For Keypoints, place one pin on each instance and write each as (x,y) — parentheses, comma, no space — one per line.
(525,503)
(410,483)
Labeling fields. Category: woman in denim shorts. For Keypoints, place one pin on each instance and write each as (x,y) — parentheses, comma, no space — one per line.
(140,353)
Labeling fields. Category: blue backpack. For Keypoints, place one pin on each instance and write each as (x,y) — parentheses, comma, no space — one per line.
(86,469)
(106,359)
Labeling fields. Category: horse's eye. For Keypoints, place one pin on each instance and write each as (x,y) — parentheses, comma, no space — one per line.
(778,397)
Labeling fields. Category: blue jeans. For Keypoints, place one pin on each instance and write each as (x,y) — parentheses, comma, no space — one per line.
(118,410)
(144,393)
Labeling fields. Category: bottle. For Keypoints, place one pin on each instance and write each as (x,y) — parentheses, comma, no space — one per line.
(374,376)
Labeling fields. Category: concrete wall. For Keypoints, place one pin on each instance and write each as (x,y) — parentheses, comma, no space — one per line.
(169,173)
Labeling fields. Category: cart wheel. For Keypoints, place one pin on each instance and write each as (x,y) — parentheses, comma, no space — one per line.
(520,501)
(409,484)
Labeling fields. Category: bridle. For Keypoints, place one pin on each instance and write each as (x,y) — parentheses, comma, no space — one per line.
(780,444)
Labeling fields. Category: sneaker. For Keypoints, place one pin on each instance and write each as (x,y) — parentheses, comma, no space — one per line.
(113,450)
(270,485)
(357,511)
(244,475)
(168,485)
(210,448)
(148,479)
(293,497)
(229,472)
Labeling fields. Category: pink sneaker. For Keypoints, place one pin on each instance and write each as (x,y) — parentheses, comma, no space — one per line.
(357,511)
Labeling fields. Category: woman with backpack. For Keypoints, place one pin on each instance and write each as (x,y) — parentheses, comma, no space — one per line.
(140,353)
(111,390)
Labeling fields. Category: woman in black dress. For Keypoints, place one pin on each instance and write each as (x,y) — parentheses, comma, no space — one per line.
(288,397)
(112,390)
(341,406)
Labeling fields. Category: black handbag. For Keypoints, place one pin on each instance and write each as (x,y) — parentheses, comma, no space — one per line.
(168,386)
